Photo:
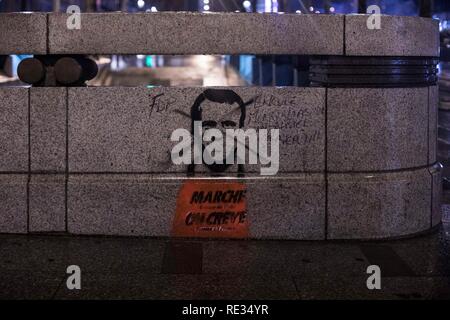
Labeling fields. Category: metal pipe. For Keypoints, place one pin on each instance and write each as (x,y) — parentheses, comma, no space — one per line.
(426,8)
(56,5)
(124,5)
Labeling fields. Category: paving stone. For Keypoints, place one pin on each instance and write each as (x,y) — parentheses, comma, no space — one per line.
(297,258)
(31,285)
(182,287)
(355,288)
(96,255)
(428,255)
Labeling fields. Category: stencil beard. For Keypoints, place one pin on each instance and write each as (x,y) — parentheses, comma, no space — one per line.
(217,167)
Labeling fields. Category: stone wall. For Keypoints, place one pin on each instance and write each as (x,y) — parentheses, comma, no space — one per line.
(355,162)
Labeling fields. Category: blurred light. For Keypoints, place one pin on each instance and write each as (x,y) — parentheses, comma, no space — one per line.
(298,11)
(140,56)
(332,9)
(206,7)
(153,9)
(149,61)
(274,5)
(311,9)
(247,4)
(317,11)
(206,1)
(268,6)
(141,3)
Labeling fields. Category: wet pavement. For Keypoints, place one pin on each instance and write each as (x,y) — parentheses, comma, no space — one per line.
(34,267)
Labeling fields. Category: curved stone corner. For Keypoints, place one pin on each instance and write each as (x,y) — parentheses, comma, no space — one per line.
(436,174)
(379,129)
(382,205)
(397,36)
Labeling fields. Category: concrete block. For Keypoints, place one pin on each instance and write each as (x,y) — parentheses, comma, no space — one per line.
(371,129)
(48,129)
(14,129)
(47,203)
(397,36)
(13,202)
(129,129)
(379,205)
(197,33)
(433,123)
(288,207)
(436,212)
(133,205)
(23,33)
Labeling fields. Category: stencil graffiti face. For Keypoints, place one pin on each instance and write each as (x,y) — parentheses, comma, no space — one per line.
(218,109)
(219,139)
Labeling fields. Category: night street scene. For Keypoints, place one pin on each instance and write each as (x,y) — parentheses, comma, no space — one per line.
(231,159)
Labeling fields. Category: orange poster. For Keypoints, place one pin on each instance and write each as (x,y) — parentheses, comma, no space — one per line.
(211,209)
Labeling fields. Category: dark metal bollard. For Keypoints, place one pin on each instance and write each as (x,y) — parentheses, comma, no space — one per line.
(75,71)
(31,71)
(55,70)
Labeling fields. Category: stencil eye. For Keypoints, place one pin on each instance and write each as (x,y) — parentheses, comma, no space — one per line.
(228,124)
(209,124)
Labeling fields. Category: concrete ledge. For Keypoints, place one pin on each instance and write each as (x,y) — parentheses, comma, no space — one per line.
(218,33)
(129,129)
(13,129)
(398,36)
(23,33)
(13,201)
(379,205)
(374,129)
(197,33)
(360,206)
(286,207)
(47,203)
